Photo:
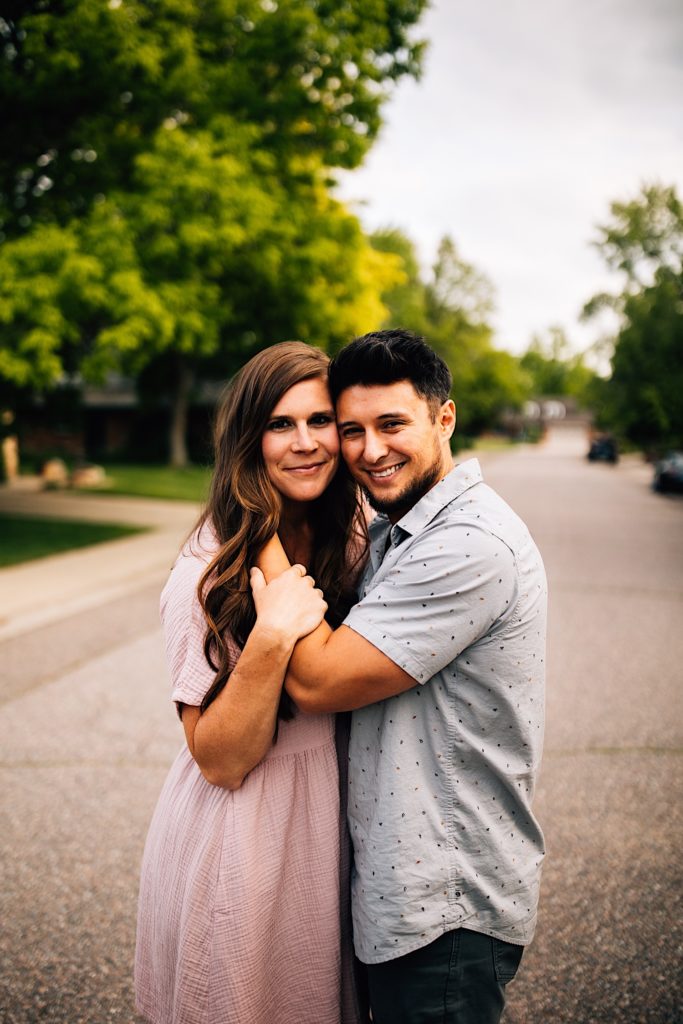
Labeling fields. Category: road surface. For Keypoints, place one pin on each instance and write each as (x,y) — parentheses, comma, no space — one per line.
(88,733)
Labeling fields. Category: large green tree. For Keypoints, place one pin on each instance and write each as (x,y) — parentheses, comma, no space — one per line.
(165,187)
(86,84)
(643,242)
(205,259)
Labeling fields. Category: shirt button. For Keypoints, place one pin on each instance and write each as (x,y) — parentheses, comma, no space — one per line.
(458,893)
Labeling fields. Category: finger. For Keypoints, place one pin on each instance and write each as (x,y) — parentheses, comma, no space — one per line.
(301,569)
(257,579)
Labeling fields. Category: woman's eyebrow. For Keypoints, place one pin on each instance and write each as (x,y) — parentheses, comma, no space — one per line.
(291,416)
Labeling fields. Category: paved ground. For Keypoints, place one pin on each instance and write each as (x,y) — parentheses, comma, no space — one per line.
(87,735)
(608,947)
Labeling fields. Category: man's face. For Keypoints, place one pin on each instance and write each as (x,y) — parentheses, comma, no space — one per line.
(393,445)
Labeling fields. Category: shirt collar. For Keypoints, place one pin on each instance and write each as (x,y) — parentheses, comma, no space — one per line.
(455,483)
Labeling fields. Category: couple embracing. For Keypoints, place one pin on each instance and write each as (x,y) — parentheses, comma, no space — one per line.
(291,605)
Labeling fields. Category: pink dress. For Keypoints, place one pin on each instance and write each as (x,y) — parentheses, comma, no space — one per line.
(243,910)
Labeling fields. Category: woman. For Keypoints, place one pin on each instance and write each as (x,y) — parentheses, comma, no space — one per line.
(243,904)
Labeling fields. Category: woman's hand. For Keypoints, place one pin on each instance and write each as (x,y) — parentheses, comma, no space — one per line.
(290,606)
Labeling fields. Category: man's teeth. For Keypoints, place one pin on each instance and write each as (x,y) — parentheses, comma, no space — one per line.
(386,472)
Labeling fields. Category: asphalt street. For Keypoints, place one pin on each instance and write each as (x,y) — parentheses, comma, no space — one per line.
(87,734)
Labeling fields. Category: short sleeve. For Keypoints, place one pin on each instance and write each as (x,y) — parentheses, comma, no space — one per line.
(184,629)
(445,590)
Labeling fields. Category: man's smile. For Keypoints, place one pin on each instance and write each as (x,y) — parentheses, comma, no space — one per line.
(382,474)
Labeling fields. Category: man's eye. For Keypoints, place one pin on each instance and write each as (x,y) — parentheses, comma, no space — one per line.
(392,424)
(350,432)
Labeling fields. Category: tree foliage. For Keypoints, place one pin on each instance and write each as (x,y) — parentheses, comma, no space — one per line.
(87,83)
(206,259)
(643,398)
(644,395)
(556,370)
(451,310)
(644,235)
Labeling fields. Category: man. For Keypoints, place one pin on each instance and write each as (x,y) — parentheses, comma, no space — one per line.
(442,661)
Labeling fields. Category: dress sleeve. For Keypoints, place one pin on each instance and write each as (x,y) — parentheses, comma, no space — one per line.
(184,628)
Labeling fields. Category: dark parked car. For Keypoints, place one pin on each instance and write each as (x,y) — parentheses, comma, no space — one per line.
(669,473)
(603,449)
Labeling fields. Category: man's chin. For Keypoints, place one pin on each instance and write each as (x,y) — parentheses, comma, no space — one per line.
(400,503)
(380,504)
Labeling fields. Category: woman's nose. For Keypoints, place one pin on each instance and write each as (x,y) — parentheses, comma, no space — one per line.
(304,440)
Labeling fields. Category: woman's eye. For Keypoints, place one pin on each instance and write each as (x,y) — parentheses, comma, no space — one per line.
(278,425)
(321,421)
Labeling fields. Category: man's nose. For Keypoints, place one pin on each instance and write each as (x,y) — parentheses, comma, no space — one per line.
(304,440)
(375,447)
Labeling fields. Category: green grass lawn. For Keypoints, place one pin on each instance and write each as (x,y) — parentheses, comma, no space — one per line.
(22,539)
(493,443)
(190,484)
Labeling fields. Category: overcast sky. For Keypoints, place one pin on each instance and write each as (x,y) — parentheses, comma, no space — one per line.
(530,118)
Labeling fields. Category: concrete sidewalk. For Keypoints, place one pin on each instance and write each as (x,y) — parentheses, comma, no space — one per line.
(48,589)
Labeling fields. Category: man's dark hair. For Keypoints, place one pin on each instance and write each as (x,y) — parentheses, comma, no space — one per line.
(385,357)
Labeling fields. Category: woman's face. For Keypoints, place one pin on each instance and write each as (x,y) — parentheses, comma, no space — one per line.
(300,443)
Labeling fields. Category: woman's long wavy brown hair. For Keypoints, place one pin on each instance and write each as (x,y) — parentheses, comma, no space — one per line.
(244,507)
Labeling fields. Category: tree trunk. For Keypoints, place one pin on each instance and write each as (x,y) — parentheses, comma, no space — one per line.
(179,409)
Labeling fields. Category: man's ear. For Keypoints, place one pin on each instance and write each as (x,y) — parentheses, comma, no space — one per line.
(447,418)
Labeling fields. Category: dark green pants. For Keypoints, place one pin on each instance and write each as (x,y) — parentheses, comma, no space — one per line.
(458,979)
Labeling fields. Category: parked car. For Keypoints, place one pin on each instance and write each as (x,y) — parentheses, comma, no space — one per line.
(603,449)
(669,473)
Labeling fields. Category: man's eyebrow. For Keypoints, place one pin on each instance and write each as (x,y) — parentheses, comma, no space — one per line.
(382,416)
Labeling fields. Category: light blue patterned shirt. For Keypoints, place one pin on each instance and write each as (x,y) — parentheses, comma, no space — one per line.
(441,777)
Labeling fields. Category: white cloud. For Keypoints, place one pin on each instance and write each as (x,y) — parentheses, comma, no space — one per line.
(532,116)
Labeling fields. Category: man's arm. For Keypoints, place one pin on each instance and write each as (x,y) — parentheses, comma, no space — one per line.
(456,584)
(341,673)
(334,670)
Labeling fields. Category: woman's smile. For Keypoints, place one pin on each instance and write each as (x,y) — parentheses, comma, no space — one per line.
(308,469)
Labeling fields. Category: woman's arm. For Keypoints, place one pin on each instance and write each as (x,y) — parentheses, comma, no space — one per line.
(236,731)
